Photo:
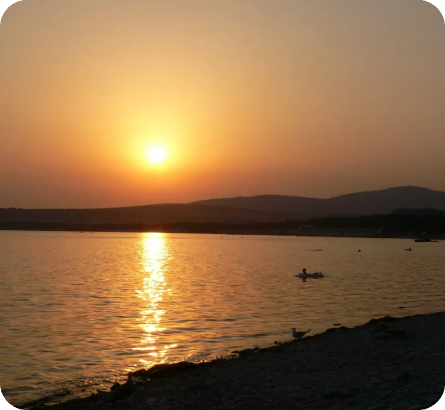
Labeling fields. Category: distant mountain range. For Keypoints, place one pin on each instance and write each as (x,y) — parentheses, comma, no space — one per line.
(360,203)
(262,208)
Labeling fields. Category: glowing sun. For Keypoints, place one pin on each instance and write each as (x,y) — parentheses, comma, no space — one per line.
(156,155)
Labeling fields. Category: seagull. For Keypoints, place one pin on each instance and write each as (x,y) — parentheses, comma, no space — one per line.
(297,335)
(124,391)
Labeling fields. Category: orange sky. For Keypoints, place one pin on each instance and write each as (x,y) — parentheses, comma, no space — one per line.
(309,98)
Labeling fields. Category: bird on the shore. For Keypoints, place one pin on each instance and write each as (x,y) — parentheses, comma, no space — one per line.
(297,335)
(124,391)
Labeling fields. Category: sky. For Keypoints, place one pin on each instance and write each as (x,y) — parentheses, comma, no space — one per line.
(307,98)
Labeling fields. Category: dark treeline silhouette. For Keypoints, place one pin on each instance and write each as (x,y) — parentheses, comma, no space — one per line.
(390,225)
(387,222)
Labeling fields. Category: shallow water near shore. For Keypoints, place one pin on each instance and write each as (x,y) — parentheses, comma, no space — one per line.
(80,310)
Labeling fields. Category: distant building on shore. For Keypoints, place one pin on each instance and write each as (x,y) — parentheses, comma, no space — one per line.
(417,211)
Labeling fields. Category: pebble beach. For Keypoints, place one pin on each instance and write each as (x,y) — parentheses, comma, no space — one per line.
(385,364)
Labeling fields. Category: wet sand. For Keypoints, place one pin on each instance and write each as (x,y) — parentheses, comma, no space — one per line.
(386,364)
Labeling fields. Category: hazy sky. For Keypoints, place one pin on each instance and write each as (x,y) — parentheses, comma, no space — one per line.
(310,98)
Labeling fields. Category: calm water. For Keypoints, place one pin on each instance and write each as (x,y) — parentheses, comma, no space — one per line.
(80,310)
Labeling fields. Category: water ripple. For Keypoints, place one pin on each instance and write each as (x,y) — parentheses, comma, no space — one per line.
(79,311)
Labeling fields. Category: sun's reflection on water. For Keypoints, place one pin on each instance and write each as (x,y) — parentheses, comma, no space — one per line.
(154,256)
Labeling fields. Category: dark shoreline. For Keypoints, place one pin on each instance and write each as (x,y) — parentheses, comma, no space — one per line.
(411,238)
(399,362)
(374,226)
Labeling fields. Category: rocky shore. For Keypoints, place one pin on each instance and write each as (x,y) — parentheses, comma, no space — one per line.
(386,364)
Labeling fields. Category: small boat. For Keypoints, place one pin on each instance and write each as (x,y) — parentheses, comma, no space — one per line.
(425,240)
(315,275)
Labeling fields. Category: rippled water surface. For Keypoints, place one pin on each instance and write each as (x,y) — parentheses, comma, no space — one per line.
(80,310)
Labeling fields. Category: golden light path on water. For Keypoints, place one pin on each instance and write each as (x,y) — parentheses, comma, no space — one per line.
(154,255)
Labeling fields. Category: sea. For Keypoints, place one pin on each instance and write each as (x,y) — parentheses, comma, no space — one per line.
(79,310)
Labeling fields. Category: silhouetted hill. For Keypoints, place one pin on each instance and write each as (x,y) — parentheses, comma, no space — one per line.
(148,214)
(263,208)
(360,203)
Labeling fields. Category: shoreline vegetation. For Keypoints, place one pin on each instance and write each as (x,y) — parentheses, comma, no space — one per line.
(386,364)
(373,226)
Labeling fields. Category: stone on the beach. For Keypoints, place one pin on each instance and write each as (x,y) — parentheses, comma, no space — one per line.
(385,319)
(115,386)
(332,330)
(246,352)
(162,370)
